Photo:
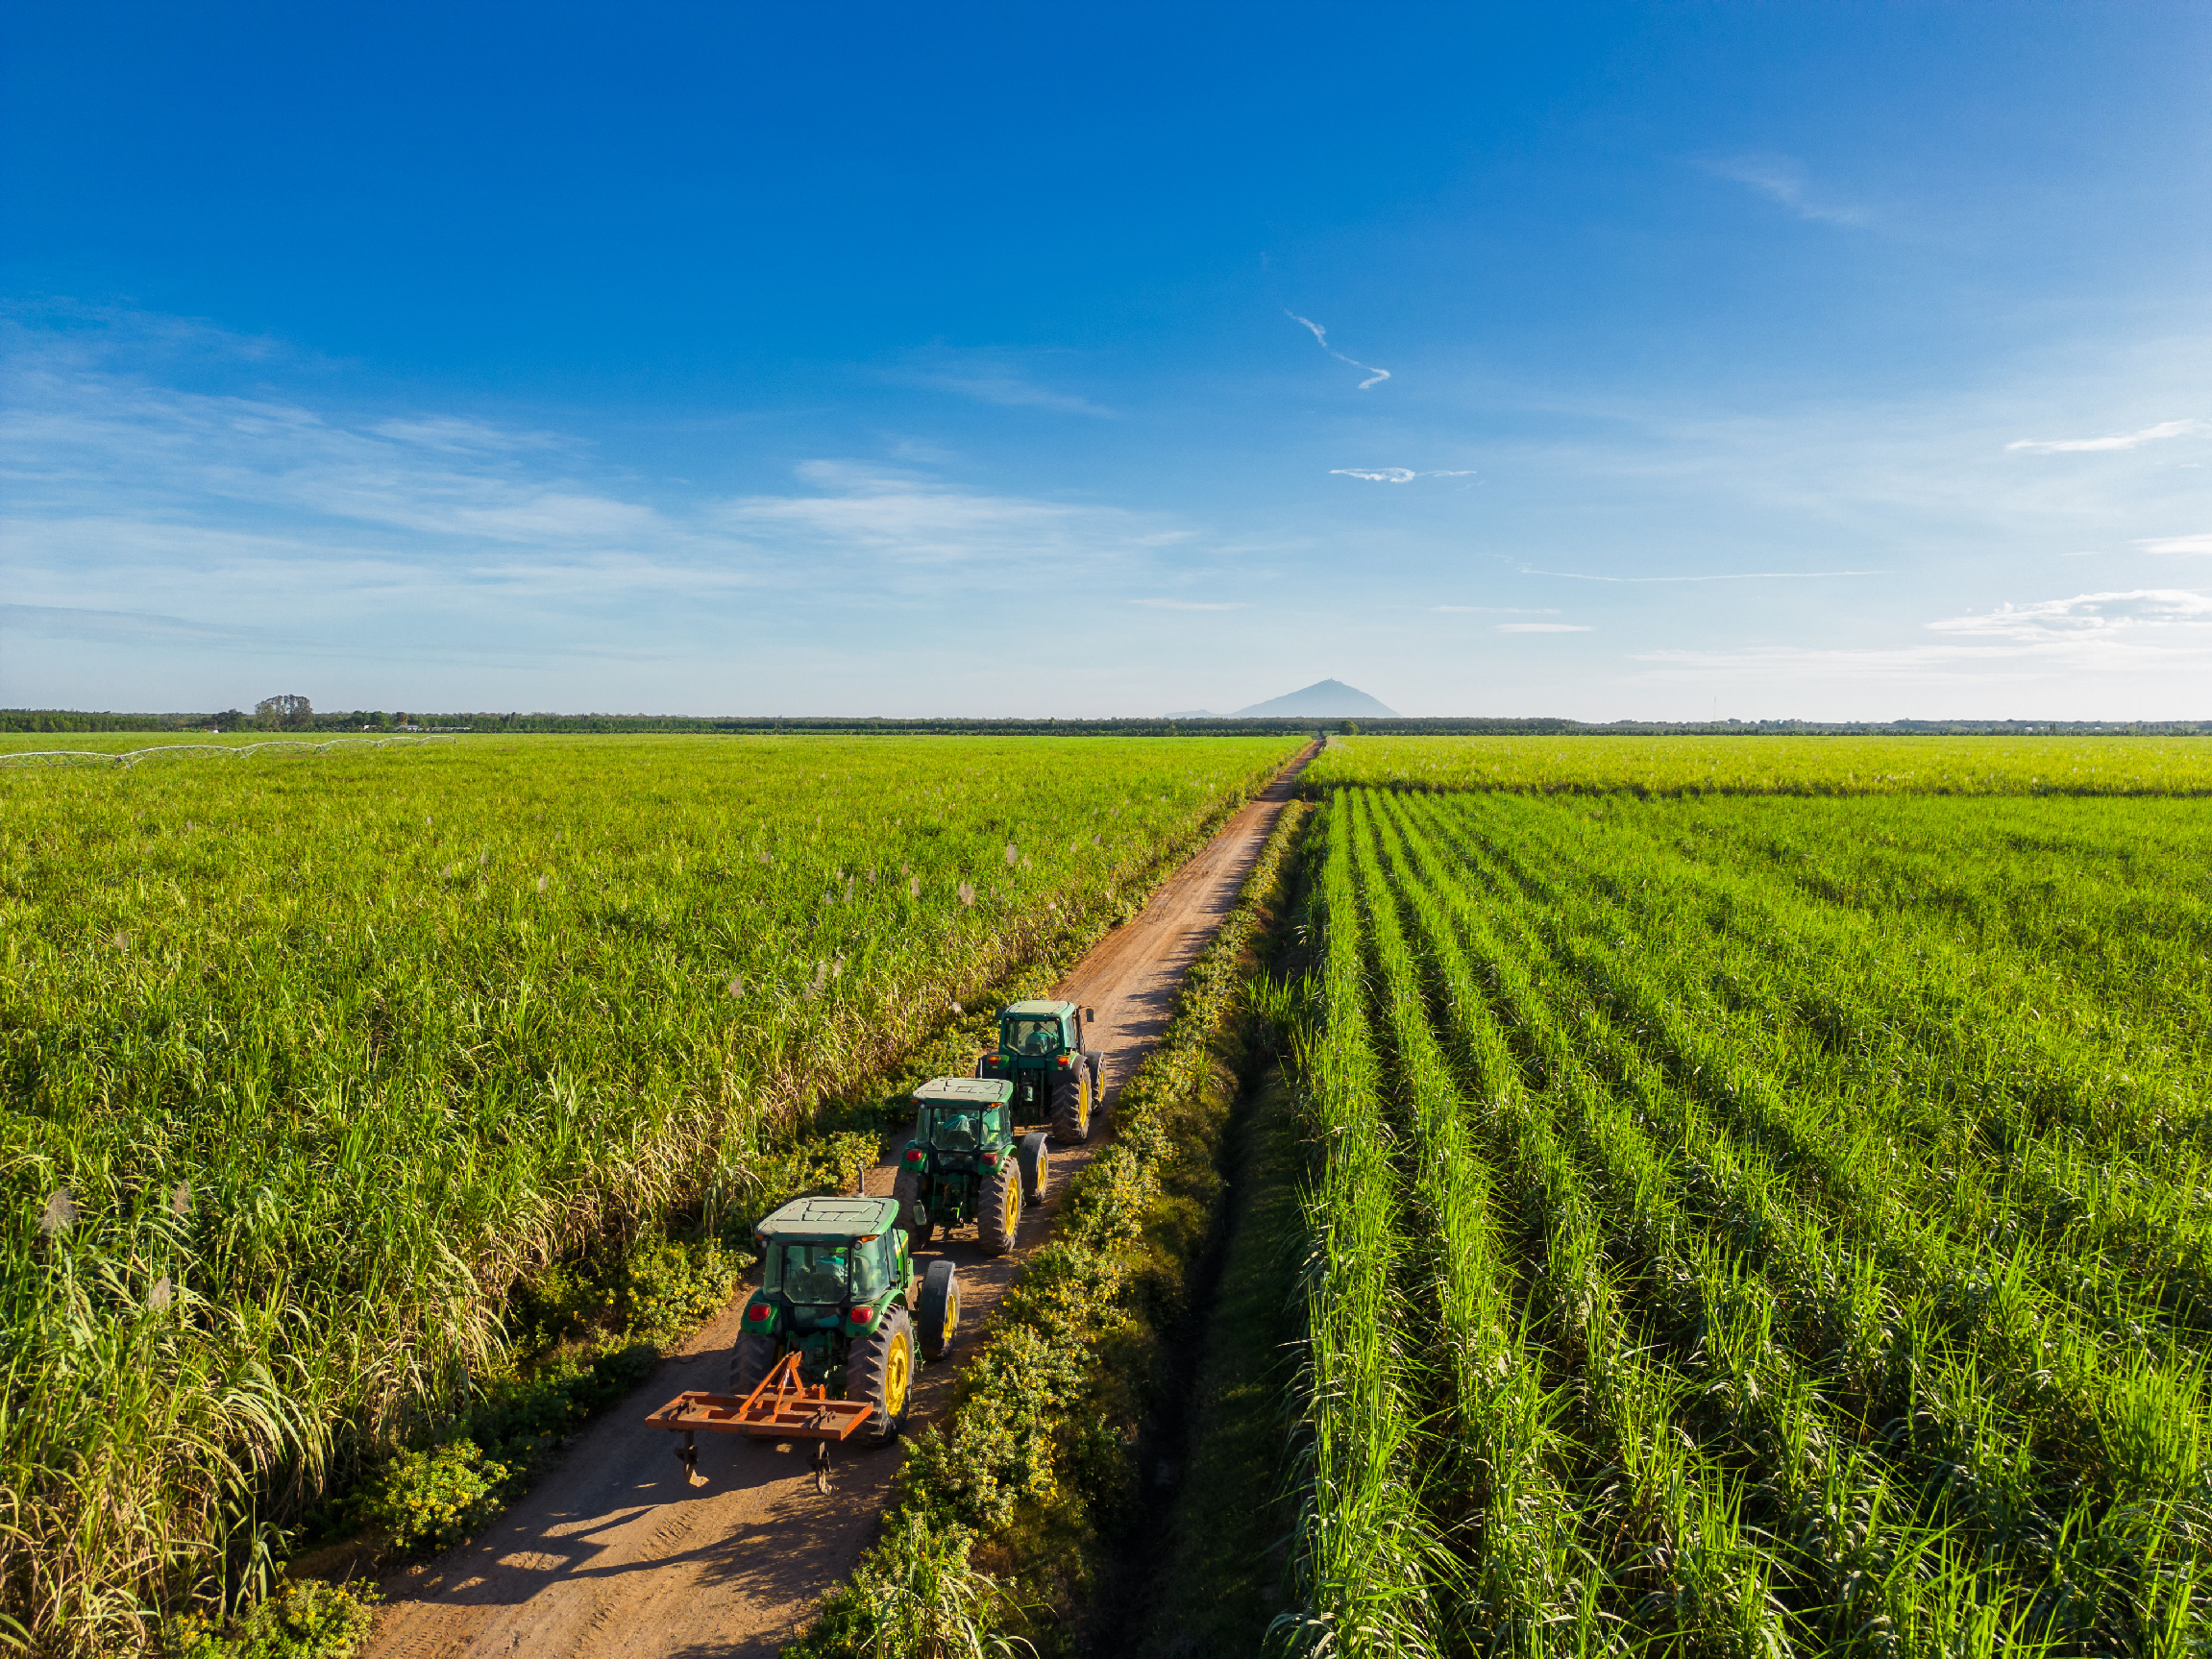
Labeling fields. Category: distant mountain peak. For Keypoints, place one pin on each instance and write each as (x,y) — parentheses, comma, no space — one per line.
(1323,699)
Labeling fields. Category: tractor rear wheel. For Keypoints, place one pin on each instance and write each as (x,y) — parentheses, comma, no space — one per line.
(1097,1060)
(880,1371)
(998,1212)
(1036,1163)
(1071,1105)
(940,1312)
(751,1363)
(907,1191)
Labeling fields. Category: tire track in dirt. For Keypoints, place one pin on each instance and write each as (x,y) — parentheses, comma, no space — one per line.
(612,1554)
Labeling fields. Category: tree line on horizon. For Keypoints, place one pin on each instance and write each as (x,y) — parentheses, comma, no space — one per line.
(272,715)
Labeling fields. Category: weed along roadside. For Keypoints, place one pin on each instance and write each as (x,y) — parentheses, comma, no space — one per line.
(1012,1517)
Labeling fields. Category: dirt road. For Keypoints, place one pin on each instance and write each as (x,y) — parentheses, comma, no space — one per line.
(613,1556)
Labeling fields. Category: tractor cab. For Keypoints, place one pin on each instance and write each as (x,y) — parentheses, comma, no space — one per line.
(1057,1077)
(954,1116)
(1038,1030)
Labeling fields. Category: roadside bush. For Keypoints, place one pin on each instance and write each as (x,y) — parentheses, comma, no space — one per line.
(916,1595)
(309,1620)
(433,1499)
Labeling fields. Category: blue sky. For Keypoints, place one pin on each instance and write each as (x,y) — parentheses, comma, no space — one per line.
(1759,361)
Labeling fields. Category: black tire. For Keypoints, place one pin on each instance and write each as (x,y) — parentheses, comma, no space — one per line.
(998,1209)
(1071,1105)
(879,1369)
(1035,1161)
(907,1191)
(939,1316)
(750,1362)
(1097,1060)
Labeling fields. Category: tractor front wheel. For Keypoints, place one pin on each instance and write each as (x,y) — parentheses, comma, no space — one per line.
(1071,1105)
(940,1312)
(750,1364)
(1036,1163)
(880,1371)
(999,1213)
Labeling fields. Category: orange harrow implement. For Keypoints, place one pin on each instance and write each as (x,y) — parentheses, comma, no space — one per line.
(780,1409)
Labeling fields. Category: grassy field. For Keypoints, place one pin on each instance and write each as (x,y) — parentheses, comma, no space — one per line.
(1826,766)
(309,1058)
(1755,1226)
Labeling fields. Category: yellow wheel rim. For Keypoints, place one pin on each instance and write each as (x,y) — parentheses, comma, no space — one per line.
(897,1373)
(951,1317)
(1012,1208)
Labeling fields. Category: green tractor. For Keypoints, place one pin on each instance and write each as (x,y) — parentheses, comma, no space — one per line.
(838,1288)
(964,1163)
(1056,1078)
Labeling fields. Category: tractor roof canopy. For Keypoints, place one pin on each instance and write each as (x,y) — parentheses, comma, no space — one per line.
(970,1091)
(1040,1010)
(831,1218)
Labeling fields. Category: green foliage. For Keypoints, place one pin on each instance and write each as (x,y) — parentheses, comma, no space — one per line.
(669,1289)
(433,1499)
(1755,1226)
(521,1418)
(1001,1458)
(915,1596)
(309,1061)
(1817,765)
(303,1620)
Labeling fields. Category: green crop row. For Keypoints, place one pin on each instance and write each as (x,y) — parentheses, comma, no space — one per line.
(307,1061)
(1774,1226)
(1771,765)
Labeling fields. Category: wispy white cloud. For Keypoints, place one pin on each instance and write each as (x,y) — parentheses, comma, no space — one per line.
(1397,475)
(995,378)
(1502,610)
(2085,616)
(1375,376)
(1784,180)
(259,523)
(2117,441)
(1542,628)
(2178,544)
(1726,576)
(455,435)
(904,517)
(1187,605)
(82,622)
(2158,632)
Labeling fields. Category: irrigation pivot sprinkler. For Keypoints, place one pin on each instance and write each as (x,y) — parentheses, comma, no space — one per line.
(826,1347)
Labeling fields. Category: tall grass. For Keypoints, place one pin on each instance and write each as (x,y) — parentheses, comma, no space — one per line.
(1816,1186)
(1767,765)
(307,1061)
(1366,1556)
